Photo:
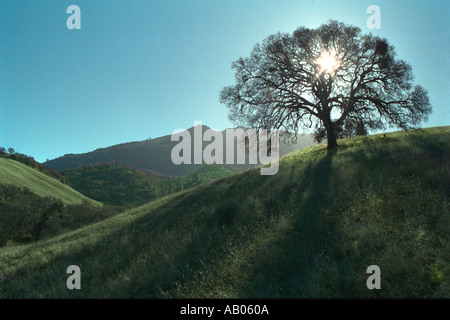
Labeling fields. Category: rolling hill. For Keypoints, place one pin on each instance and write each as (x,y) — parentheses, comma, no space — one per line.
(204,174)
(153,156)
(122,185)
(213,172)
(311,230)
(20,175)
(114,184)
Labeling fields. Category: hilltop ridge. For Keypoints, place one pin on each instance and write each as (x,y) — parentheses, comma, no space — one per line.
(153,156)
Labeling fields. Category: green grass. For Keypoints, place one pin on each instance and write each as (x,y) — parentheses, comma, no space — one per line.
(213,172)
(18,174)
(204,174)
(311,230)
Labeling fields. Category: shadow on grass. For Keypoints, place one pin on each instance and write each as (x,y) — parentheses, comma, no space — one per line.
(171,245)
(289,269)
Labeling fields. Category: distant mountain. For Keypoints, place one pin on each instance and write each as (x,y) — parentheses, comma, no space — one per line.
(154,155)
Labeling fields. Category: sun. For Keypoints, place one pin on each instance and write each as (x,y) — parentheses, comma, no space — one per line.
(328,61)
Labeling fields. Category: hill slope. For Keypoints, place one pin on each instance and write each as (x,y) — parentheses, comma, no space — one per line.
(122,185)
(309,231)
(18,174)
(154,155)
(213,172)
(114,184)
(204,174)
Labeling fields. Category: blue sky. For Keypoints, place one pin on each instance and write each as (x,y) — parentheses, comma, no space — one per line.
(140,69)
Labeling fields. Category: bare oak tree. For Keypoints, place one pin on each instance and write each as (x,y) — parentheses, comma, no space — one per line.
(328,78)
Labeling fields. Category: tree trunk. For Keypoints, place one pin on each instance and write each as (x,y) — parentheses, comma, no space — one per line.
(331,135)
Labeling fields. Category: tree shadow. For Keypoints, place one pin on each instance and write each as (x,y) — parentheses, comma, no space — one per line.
(307,241)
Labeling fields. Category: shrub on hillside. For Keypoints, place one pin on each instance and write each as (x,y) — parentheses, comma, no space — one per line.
(25,216)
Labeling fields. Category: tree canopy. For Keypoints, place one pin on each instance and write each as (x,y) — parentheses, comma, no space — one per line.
(333,79)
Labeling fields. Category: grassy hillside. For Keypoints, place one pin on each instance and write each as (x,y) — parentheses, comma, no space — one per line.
(30,162)
(115,184)
(35,206)
(311,230)
(204,174)
(18,174)
(214,171)
(122,185)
